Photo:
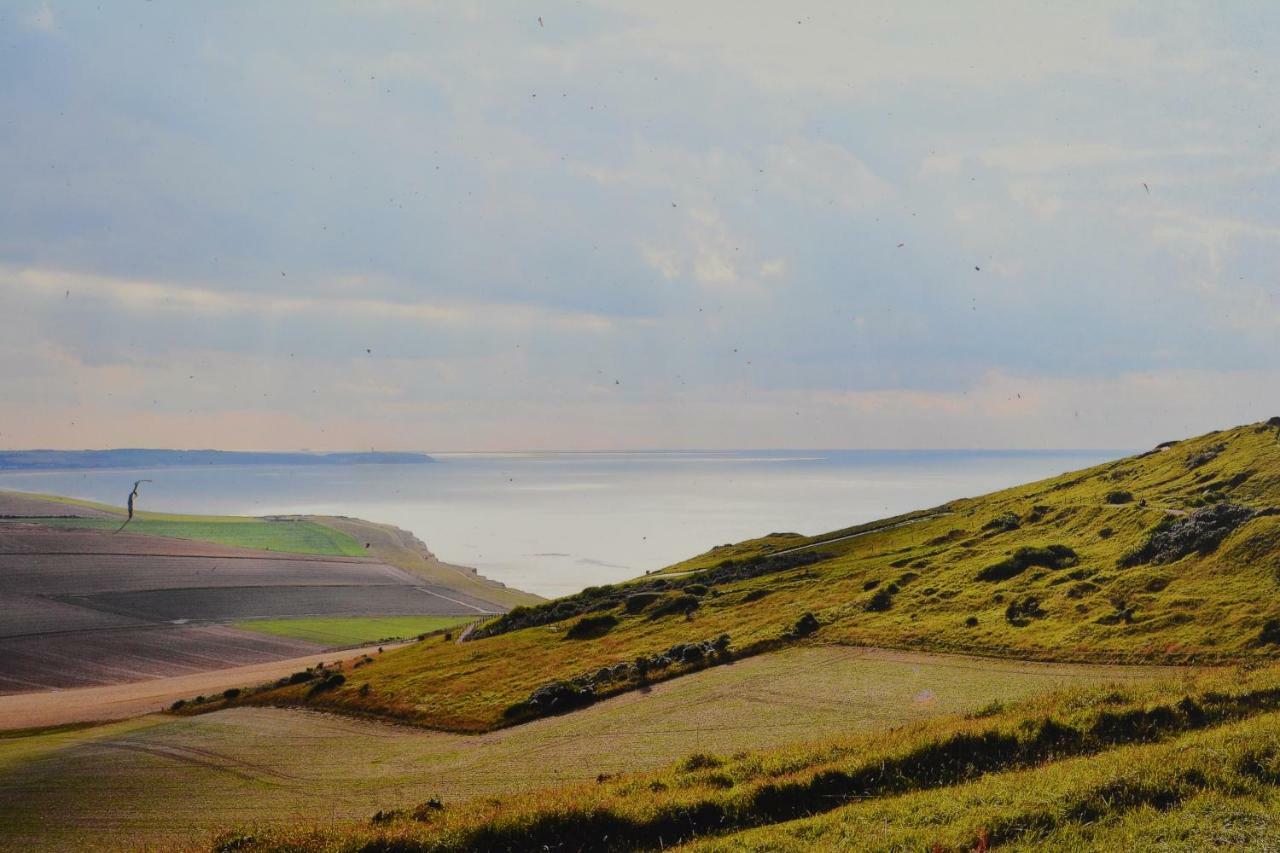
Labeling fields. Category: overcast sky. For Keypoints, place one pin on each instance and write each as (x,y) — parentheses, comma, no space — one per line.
(586,225)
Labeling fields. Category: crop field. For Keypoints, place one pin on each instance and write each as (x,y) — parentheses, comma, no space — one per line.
(83,607)
(294,537)
(349,630)
(251,765)
(114,655)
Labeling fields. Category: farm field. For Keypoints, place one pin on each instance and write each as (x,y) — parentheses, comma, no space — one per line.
(85,607)
(264,765)
(294,537)
(348,630)
(97,704)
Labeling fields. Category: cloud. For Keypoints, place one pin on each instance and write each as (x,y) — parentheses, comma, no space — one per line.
(40,19)
(638,225)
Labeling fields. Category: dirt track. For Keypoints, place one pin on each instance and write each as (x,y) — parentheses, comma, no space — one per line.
(120,701)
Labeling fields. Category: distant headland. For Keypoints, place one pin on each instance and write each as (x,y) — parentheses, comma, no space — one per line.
(35,460)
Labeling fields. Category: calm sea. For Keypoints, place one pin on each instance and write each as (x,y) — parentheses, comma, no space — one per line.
(552,523)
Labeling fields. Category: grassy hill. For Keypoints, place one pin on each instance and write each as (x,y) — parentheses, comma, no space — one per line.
(1171,556)
(1188,765)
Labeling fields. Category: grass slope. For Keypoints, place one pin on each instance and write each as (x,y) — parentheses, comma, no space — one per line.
(176,779)
(351,630)
(1043,571)
(1192,764)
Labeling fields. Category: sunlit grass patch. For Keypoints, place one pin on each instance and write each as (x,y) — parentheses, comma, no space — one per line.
(352,630)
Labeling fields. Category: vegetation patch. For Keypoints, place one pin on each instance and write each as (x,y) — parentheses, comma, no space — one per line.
(599,598)
(352,630)
(1051,557)
(590,627)
(1200,532)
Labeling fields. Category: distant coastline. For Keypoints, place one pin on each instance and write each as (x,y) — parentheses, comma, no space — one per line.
(58,460)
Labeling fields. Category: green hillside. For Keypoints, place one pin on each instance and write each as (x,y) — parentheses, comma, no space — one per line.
(1171,556)
(1187,765)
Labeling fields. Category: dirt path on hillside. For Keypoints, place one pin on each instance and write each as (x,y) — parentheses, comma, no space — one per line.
(120,701)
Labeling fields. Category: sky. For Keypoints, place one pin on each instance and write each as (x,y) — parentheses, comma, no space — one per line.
(608,225)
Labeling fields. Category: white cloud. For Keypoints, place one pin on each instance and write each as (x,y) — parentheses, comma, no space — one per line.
(40,19)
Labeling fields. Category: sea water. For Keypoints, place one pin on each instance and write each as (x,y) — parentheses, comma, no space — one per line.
(553,523)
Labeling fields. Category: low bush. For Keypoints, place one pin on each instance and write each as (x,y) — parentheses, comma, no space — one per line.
(806,625)
(1004,522)
(595,599)
(881,601)
(330,682)
(589,627)
(676,603)
(1119,496)
(1021,611)
(638,602)
(1200,532)
(1052,557)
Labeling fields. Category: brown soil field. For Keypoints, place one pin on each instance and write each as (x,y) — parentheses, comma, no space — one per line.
(85,607)
(117,655)
(121,701)
(230,603)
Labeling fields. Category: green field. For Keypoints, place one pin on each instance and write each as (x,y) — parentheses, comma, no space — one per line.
(294,537)
(352,630)
(164,779)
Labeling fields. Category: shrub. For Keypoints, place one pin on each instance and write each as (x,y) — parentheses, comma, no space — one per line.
(599,598)
(696,589)
(1119,496)
(1201,532)
(1020,612)
(426,811)
(675,604)
(638,602)
(1270,633)
(1038,512)
(755,595)
(178,705)
(302,676)
(1052,557)
(1004,522)
(1204,457)
(331,682)
(806,625)
(231,693)
(700,761)
(971,622)
(589,627)
(870,585)
(1106,533)
(881,601)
